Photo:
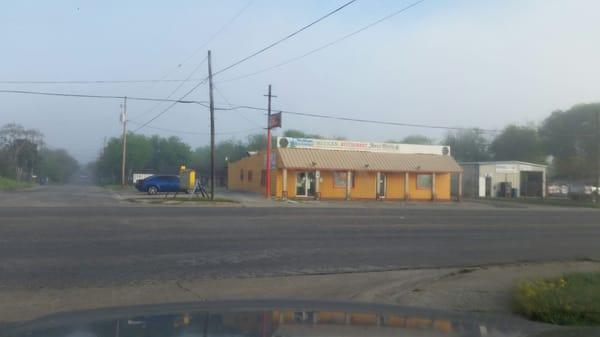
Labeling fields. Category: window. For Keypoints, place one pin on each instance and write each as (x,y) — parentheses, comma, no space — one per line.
(423,181)
(242,175)
(249,175)
(339,179)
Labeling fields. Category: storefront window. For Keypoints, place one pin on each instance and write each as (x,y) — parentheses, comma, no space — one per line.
(423,181)
(339,179)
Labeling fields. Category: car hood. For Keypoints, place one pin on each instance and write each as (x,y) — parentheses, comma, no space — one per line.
(281,318)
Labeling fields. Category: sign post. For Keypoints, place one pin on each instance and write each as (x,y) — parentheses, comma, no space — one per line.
(273,121)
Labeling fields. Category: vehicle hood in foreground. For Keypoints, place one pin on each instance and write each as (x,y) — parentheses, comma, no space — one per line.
(281,318)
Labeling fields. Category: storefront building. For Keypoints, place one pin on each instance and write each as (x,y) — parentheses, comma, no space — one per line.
(335,169)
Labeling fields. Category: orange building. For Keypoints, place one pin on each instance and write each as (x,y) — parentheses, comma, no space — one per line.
(336,169)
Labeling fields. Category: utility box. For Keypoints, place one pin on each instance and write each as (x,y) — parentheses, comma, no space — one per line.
(187,179)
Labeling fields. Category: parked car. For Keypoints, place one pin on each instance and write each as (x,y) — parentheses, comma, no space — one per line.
(158,184)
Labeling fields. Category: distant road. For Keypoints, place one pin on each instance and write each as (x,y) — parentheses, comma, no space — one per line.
(81,236)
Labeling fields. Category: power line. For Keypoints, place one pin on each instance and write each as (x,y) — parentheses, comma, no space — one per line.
(183,132)
(360,120)
(171,106)
(101,81)
(387,17)
(235,107)
(212,37)
(46,93)
(174,91)
(286,37)
(231,106)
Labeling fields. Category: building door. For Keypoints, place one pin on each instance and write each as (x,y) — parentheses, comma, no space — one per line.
(305,184)
(488,187)
(382,184)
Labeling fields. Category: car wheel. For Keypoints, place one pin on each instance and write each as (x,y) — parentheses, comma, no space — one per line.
(152,190)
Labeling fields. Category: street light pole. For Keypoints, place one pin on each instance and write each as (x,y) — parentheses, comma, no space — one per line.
(212,128)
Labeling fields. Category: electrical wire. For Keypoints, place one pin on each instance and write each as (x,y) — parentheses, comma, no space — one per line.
(135,98)
(231,106)
(360,120)
(235,107)
(196,133)
(210,39)
(174,90)
(387,17)
(101,81)
(171,105)
(285,38)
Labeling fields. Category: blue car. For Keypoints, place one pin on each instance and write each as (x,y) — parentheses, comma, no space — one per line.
(158,184)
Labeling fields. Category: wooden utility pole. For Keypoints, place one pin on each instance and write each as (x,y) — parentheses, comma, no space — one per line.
(124,142)
(268,182)
(597,156)
(212,129)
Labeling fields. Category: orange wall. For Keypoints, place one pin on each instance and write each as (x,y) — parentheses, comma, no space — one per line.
(364,187)
(255,164)
(395,186)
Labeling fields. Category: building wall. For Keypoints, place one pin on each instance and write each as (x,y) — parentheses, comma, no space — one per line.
(470,182)
(255,164)
(395,186)
(364,182)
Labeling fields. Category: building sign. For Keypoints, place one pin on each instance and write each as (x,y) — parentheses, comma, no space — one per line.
(275,120)
(333,144)
(506,168)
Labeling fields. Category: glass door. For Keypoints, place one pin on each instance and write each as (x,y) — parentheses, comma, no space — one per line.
(301,184)
(382,184)
(305,184)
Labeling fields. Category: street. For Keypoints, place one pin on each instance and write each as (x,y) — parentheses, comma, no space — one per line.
(79,236)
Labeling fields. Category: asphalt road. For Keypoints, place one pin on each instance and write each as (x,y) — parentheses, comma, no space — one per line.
(80,236)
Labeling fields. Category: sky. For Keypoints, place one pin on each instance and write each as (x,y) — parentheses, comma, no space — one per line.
(458,63)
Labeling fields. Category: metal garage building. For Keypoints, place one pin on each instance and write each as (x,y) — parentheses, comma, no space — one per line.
(503,179)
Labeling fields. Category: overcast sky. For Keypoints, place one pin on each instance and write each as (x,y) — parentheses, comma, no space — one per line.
(444,62)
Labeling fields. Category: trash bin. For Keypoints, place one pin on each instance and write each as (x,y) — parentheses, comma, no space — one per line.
(515,193)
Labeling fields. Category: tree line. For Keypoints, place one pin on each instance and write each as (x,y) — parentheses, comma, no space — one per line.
(566,139)
(24,156)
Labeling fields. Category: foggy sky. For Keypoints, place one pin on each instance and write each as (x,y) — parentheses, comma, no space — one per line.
(456,63)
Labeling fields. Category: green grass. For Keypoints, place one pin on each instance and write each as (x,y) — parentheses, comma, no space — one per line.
(11,185)
(573,299)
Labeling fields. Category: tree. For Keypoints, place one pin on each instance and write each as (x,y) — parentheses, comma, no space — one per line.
(467,145)
(300,134)
(518,143)
(57,165)
(569,136)
(414,139)
(20,150)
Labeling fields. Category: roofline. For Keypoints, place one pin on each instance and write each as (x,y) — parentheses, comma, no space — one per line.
(501,162)
(368,170)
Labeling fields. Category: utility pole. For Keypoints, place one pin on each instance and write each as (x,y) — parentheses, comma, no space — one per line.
(268,182)
(597,156)
(212,129)
(124,141)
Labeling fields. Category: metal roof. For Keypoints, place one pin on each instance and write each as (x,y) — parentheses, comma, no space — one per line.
(501,162)
(364,161)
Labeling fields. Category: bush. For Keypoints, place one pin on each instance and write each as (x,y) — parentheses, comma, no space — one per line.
(572,299)
(7,184)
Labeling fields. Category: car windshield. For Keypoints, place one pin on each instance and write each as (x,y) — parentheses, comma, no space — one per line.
(287,168)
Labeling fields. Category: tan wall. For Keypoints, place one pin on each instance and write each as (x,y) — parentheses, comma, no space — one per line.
(255,164)
(364,185)
(417,194)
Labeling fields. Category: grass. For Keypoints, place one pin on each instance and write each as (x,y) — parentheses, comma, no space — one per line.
(572,299)
(11,185)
